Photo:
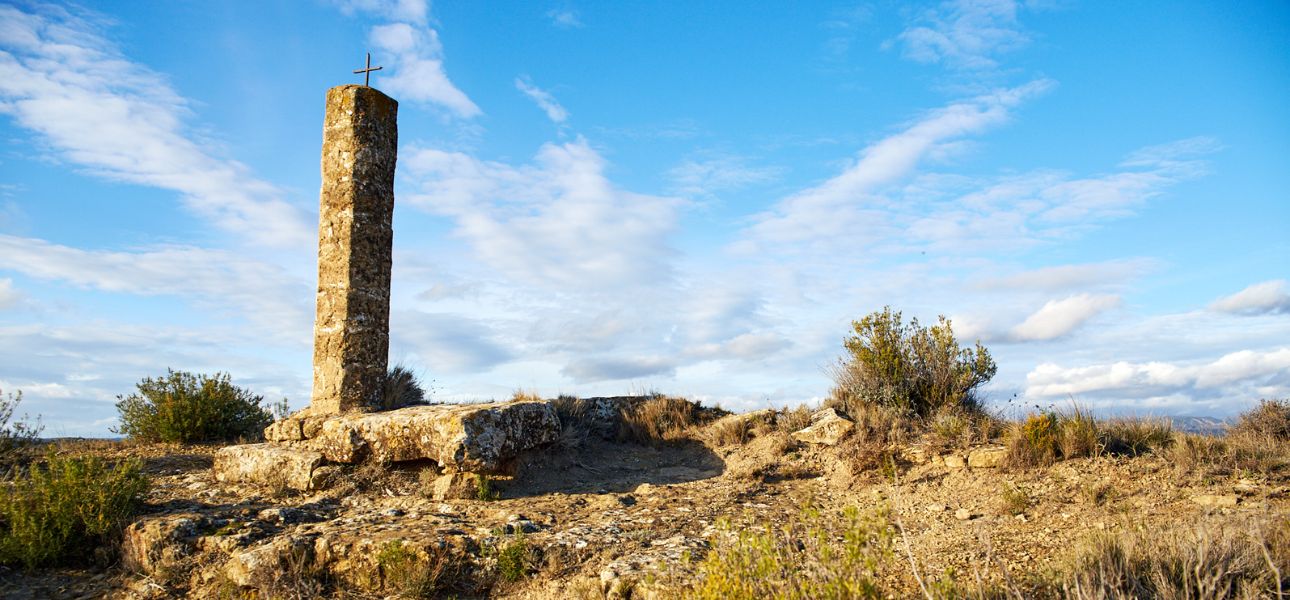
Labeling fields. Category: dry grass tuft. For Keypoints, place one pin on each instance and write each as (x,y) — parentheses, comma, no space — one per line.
(1136,436)
(789,420)
(1197,561)
(663,419)
(1271,418)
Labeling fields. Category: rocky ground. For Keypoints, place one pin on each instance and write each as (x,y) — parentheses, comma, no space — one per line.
(598,517)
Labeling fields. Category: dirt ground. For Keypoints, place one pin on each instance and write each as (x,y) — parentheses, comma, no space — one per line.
(604,512)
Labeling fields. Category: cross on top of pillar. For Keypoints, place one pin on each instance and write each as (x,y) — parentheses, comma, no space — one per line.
(367,72)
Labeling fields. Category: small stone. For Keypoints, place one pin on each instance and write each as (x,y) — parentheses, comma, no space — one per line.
(392,512)
(827,428)
(936,508)
(962,514)
(987,458)
(954,461)
(1216,499)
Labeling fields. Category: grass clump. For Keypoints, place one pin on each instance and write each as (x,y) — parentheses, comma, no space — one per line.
(911,368)
(1013,500)
(813,556)
(662,418)
(1136,436)
(1034,441)
(1205,561)
(15,436)
(184,408)
(514,559)
(59,511)
(1271,418)
(399,387)
(412,573)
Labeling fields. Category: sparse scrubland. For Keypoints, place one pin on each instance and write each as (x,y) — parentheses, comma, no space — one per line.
(903,484)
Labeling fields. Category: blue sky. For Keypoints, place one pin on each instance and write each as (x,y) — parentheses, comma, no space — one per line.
(696,198)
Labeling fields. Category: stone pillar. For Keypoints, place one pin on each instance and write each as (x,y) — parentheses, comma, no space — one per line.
(355,243)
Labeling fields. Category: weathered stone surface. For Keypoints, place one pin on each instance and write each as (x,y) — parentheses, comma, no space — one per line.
(1216,499)
(954,461)
(477,438)
(355,241)
(151,545)
(264,564)
(299,426)
(456,486)
(267,464)
(987,458)
(827,427)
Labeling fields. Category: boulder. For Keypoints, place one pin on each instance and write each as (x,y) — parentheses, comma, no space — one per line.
(477,438)
(267,464)
(827,427)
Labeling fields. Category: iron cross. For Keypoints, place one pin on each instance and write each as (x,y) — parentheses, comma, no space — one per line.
(367,73)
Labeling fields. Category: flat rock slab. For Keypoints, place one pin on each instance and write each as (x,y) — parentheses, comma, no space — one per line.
(267,464)
(475,438)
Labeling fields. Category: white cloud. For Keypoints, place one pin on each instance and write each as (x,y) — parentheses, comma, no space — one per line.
(544,100)
(558,221)
(700,177)
(965,34)
(565,18)
(836,208)
(416,67)
(1067,277)
(589,370)
(1267,298)
(62,79)
(9,296)
(411,11)
(258,292)
(1235,377)
(1060,317)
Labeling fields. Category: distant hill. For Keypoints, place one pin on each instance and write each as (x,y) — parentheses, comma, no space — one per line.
(1207,425)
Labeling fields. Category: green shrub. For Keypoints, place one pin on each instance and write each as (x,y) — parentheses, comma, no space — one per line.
(513,559)
(184,408)
(1034,442)
(1013,500)
(812,556)
(61,510)
(908,367)
(16,435)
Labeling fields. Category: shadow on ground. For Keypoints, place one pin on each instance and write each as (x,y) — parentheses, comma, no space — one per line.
(599,467)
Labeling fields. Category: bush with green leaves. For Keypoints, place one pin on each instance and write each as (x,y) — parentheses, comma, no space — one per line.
(183,408)
(60,511)
(916,369)
(14,435)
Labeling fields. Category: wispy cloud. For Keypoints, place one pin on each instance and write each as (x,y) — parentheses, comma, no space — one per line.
(544,100)
(416,67)
(565,18)
(9,297)
(1070,277)
(965,34)
(1266,298)
(837,206)
(258,292)
(709,176)
(1058,318)
(411,11)
(590,370)
(558,221)
(60,77)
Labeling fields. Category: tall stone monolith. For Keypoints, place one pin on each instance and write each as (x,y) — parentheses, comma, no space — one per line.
(355,243)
